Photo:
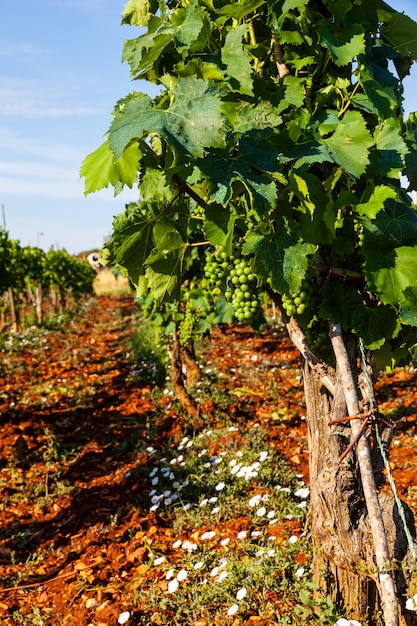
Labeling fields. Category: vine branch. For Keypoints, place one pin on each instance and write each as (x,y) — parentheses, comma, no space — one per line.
(383,560)
(282,68)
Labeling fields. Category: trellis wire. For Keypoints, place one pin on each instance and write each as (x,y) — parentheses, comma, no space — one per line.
(398,502)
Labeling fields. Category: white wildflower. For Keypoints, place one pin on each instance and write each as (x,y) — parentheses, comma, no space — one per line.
(254,501)
(299,572)
(123,617)
(173,585)
(222,576)
(233,610)
(293,539)
(241,593)
(182,575)
(209,534)
(302,493)
(411,603)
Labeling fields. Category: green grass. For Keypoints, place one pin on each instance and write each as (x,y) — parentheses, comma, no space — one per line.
(237,518)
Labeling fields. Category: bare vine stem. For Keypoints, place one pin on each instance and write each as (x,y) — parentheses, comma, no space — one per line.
(387,589)
(282,68)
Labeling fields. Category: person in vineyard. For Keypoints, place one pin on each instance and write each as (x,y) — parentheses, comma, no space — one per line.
(271,163)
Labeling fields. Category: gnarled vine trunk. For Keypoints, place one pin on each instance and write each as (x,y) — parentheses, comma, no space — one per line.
(184,372)
(344,555)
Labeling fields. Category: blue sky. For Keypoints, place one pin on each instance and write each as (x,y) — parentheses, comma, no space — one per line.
(60,76)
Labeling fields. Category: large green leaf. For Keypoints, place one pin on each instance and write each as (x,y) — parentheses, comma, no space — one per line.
(392,273)
(250,165)
(239,9)
(100,169)
(190,25)
(237,60)
(142,53)
(279,258)
(376,202)
(349,143)
(165,262)
(380,98)
(247,117)
(153,186)
(219,226)
(131,247)
(344,44)
(343,303)
(388,156)
(190,124)
(139,12)
(401,33)
(408,306)
(394,227)
(411,156)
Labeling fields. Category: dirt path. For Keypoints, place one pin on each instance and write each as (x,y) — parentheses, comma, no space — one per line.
(74,459)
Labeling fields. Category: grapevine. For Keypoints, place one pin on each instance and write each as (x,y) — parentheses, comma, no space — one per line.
(289,117)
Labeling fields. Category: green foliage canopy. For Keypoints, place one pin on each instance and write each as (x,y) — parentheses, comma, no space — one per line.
(283,122)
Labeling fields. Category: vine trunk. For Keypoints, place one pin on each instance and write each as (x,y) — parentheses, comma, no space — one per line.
(344,556)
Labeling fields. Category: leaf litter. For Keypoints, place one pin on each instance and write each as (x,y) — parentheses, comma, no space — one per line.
(94,460)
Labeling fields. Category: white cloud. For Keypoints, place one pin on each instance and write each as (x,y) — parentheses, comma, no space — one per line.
(19,146)
(15,49)
(34,98)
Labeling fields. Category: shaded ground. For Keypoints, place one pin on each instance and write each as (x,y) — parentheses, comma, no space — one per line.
(75,459)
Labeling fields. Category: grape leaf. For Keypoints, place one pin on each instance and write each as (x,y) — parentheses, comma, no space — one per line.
(388,156)
(380,99)
(375,324)
(349,144)
(130,247)
(100,169)
(237,60)
(164,265)
(141,53)
(343,45)
(394,227)
(188,27)
(239,9)
(279,258)
(376,202)
(219,226)
(408,306)
(250,164)
(153,186)
(401,33)
(192,122)
(139,12)
(345,305)
(391,273)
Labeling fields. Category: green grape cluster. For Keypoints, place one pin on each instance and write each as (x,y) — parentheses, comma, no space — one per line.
(297,302)
(216,270)
(232,276)
(188,324)
(242,291)
(197,211)
(358,227)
